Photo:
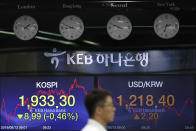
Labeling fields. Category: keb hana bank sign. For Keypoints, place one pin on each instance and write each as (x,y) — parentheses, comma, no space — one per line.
(101,62)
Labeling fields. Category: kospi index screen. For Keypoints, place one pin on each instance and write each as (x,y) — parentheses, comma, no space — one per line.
(44,103)
(151,102)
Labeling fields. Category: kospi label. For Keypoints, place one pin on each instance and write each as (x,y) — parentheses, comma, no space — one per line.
(48,85)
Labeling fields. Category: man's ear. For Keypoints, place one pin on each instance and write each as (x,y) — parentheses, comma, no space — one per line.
(98,110)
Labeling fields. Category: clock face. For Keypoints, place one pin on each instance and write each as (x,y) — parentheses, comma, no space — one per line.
(119,27)
(71,27)
(25,27)
(166,26)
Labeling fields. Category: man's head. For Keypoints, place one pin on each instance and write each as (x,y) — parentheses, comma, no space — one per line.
(99,104)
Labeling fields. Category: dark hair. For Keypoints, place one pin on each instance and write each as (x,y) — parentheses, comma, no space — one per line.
(96,97)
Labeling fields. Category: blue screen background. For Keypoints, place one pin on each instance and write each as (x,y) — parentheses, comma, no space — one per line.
(14,87)
(178,117)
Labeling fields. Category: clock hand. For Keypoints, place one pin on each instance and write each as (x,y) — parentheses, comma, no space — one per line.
(21,26)
(71,27)
(116,26)
(27,26)
(165,27)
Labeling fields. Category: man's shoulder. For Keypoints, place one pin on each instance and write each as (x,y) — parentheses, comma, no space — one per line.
(90,128)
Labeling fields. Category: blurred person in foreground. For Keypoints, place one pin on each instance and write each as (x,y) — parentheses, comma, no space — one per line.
(100,108)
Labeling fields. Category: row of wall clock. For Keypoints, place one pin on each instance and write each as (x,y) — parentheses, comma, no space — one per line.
(119,27)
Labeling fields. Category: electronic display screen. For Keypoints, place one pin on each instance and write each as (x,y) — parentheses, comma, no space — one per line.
(44,102)
(151,102)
